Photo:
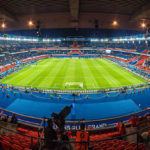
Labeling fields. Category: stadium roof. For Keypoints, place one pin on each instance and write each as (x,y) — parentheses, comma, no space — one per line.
(74,13)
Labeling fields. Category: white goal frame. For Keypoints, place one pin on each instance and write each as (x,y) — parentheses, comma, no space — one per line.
(80,84)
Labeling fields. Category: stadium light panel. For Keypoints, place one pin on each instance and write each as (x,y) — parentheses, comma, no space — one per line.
(58,40)
(115,23)
(3,25)
(30,23)
(143,25)
(46,40)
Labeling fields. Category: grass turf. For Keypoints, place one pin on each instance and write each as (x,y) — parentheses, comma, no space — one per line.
(55,73)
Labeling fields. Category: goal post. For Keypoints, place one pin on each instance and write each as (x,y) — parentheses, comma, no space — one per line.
(74,85)
(75,57)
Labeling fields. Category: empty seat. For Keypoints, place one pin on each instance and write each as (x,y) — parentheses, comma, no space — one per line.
(5,145)
(16,147)
(17,142)
(6,138)
(25,145)
(142,146)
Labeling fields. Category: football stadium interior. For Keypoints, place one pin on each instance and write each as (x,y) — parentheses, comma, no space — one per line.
(75,75)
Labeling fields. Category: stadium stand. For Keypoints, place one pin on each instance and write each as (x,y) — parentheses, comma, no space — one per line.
(103,137)
(21,138)
(72,113)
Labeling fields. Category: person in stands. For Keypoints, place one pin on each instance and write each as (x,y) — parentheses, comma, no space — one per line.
(133,120)
(59,96)
(14,119)
(122,129)
(6,119)
(50,136)
(51,96)
(82,136)
(87,96)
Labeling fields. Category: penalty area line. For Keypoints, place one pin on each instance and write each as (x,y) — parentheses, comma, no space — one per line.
(35,81)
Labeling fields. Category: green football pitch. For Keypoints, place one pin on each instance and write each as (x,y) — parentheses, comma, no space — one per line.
(73,74)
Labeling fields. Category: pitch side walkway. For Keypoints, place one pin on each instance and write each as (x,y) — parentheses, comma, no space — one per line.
(97,106)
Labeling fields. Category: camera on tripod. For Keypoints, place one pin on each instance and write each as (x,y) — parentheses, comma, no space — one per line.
(59,119)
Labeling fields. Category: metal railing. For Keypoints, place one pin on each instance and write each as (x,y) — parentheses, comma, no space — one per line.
(73,124)
(103,90)
(89,143)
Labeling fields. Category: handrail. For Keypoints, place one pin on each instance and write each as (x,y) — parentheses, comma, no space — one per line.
(81,91)
(110,119)
(116,137)
(25,116)
(42,133)
(79,121)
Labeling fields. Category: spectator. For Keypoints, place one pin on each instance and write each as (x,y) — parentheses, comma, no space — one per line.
(7,95)
(6,119)
(59,96)
(87,96)
(51,96)
(82,136)
(133,120)
(1,116)
(69,134)
(144,137)
(119,125)
(79,94)
(50,135)
(14,119)
(122,129)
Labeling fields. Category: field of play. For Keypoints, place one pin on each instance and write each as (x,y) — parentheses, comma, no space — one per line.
(72,74)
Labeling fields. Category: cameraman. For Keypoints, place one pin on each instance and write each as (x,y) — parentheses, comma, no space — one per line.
(50,135)
(82,136)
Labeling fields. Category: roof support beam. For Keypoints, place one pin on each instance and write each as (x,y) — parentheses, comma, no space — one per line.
(74,9)
(141,13)
(6,15)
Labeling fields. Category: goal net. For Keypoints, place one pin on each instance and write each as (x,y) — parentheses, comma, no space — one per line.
(74,57)
(73,85)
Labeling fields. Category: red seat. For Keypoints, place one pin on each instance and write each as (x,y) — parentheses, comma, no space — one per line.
(17,142)
(115,145)
(142,146)
(13,136)
(22,130)
(6,138)
(96,148)
(121,147)
(125,143)
(129,148)
(25,145)
(103,145)
(5,145)
(20,136)
(16,147)
(111,148)
(132,144)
